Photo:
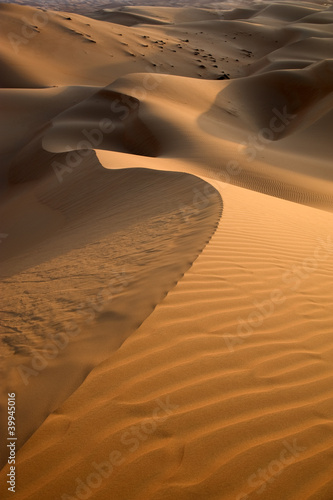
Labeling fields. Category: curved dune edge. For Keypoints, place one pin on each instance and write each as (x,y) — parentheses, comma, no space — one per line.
(231,372)
(122,240)
(225,391)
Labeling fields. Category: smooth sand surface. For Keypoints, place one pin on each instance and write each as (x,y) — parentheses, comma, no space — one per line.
(166,247)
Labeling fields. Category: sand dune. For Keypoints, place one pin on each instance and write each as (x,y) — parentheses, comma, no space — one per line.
(91,271)
(127,18)
(243,375)
(166,251)
(130,16)
(288,13)
(228,124)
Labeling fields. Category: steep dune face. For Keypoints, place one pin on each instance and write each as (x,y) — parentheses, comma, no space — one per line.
(306,94)
(299,54)
(12,77)
(166,251)
(123,130)
(237,131)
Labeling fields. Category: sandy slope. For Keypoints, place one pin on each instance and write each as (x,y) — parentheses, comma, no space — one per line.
(191,377)
(240,352)
(225,133)
(107,248)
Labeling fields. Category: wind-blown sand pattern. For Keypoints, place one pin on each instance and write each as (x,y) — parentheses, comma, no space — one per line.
(167,210)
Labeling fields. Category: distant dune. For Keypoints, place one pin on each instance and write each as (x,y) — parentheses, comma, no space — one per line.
(89,6)
(166,250)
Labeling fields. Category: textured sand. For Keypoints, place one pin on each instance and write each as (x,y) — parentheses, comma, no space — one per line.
(190,244)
